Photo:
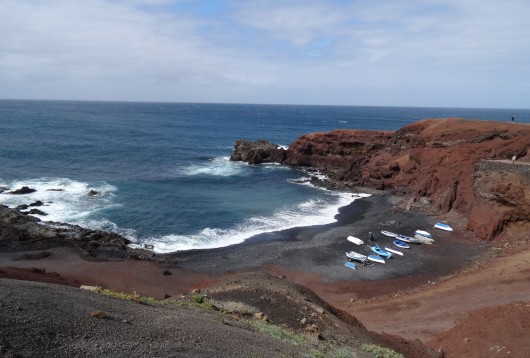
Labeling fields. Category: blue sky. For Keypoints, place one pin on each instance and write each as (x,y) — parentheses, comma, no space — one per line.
(446,53)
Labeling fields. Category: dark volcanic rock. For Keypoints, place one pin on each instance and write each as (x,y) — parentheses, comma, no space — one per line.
(19,231)
(23,190)
(257,152)
(37,212)
(92,193)
(37,203)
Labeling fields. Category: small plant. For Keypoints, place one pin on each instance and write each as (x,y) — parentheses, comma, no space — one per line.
(280,333)
(344,352)
(128,296)
(221,317)
(381,352)
(496,251)
(198,298)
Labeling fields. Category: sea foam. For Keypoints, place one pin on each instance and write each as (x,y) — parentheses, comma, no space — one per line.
(308,213)
(64,200)
(220,166)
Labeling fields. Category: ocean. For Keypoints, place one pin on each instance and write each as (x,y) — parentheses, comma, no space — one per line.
(161,170)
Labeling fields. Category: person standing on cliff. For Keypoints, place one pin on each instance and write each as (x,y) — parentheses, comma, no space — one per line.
(513,119)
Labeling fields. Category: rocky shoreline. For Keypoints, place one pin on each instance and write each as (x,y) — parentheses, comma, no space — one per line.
(479,170)
(429,171)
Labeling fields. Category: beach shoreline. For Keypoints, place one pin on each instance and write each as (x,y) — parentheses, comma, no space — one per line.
(312,256)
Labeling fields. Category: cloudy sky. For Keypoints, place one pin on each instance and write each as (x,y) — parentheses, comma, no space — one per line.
(447,53)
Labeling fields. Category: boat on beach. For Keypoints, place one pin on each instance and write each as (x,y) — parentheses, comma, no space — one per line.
(350,265)
(376,258)
(424,240)
(408,239)
(443,226)
(388,233)
(423,233)
(401,244)
(357,256)
(397,252)
(380,251)
(355,240)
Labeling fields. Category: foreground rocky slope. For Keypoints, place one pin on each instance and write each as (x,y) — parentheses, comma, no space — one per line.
(437,164)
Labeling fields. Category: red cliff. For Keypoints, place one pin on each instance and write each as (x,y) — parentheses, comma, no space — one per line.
(442,163)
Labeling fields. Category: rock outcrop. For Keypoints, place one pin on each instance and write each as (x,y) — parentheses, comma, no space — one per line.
(434,163)
(18,231)
(22,191)
(257,152)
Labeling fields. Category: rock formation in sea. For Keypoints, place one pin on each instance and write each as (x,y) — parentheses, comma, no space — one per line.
(439,165)
(257,152)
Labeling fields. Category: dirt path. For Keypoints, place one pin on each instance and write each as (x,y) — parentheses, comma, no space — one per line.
(427,313)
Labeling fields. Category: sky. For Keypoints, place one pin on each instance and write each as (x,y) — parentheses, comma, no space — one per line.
(445,53)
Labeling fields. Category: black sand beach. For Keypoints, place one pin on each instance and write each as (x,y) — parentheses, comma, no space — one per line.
(312,256)
(320,250)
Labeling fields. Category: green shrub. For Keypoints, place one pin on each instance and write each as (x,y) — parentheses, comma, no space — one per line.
(381,352)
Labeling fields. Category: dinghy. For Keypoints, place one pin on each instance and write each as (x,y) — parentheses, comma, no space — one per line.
(355,240)
(408,239)
(376,258)
(424,240)
(380,251)
(393,251)
(350,265)
(443,226)
(356,256)
(401,244)
(423,233)
(388,233)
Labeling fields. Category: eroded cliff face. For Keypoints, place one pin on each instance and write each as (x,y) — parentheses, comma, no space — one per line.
(435,163)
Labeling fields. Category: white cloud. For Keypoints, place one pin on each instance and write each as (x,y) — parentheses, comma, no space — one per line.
(356,52)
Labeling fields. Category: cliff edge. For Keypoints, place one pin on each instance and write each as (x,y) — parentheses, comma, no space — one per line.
(439,165)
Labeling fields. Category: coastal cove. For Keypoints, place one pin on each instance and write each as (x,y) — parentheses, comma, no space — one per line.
(162,170)
(268,240)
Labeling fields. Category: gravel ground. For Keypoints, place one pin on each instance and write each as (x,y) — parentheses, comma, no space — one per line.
(46,320)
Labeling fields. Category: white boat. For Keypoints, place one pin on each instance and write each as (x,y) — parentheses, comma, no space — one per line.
(443,226)
(408,239)
(376,258)
(423,233)
(424,240)
(388,233)
(356,256)
(393,251)
(355,240)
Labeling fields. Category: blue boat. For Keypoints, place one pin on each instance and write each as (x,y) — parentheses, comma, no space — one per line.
(443,226)
(401,244)
(350,265)
(423,233)
(380,251)
(408,239)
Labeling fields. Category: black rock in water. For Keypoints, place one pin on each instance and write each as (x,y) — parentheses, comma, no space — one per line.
(257,152)
(23,190)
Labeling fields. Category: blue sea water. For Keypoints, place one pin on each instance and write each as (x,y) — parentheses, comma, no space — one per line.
(162,172)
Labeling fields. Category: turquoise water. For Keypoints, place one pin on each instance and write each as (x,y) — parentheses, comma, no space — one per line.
(162,170)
